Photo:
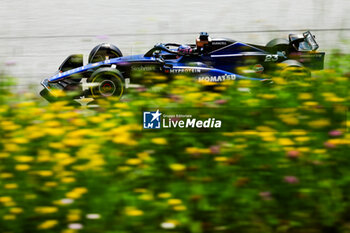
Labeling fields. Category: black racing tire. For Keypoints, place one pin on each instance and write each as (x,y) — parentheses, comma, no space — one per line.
(101,51)
(293,70)
(106,82)
(278,44)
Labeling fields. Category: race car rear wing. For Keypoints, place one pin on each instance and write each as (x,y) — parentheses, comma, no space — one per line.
(303,42)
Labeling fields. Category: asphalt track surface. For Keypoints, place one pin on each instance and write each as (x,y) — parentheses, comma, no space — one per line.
(37,35)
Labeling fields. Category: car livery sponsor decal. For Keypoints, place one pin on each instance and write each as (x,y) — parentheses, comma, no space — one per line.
(219,43)
(219,78)
(183,70)
(144,68)
(258,68)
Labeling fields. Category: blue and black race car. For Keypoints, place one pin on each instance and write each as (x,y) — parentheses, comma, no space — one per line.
(214,60)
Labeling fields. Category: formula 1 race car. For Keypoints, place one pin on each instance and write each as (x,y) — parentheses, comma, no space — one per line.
(109,73)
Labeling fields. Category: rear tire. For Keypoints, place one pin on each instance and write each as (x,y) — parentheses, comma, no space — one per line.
(293,70)
(278,44)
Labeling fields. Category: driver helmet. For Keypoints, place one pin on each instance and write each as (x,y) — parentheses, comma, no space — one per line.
(184,49)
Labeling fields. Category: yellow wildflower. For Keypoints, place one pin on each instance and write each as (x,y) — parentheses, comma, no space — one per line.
(304,96)
(268,96)
(310,103)
(56,145)
(19,140)
(143,155)
(164,195)
(8,204)
(96,119)
(10,127)
(285,141)
(290,120)
(22,167)
(16,210)
(126,114)
(320,151)
(52,124)
(4,155)
(304,149)
(10,147)
(320,123)
(23,158)
(67,161)
(220,159)
(269,139)
(132,211)
(26,104)
(11,186)
(61,155)
(73,142)
(50,184)
(48,224)
(67,115)
(45,173)
(335,99)
(302,139)
(146,197)
(121,105)
(179,208)
(55,131)
(36,134)
(48,116)
(133,161)
(174,202)
(72,217)
(177,167)
(9,217)
(159,141)
(5,199)
(78,122)
(76,193)
(46,209)
(125,139)
(6,175)
(193,150)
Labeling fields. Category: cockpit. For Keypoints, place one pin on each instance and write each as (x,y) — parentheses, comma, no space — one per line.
(204,45)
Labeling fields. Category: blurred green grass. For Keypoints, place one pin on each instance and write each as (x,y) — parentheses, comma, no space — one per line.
(74,169)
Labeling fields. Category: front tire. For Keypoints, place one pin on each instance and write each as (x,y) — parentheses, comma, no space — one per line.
(106,82)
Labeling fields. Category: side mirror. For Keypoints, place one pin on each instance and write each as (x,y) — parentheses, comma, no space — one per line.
(71,62)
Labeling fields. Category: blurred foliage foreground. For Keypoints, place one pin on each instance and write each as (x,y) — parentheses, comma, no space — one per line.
(73,169)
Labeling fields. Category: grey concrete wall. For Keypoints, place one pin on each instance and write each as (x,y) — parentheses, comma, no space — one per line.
(37,35)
